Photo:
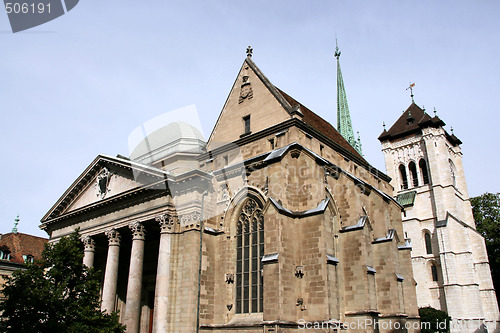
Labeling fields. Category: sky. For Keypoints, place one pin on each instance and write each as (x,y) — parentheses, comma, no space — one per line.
(79,85)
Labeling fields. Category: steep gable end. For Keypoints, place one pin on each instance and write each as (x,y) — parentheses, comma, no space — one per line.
(253,104)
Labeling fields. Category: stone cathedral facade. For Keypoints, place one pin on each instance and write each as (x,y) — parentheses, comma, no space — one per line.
(450,263)
(275,224)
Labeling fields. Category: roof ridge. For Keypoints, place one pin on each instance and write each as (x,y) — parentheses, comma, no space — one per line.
(272,88)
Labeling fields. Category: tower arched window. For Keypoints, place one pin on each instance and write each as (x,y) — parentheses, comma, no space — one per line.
(413,172)
(424,171)
(404,179)
(249,252)
(428,244)
(434,272)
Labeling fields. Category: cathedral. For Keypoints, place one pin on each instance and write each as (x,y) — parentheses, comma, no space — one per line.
(276,223)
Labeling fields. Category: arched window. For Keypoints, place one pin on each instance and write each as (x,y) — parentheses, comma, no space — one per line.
(453,172)
(249,252)
(423,171)
(428,244)
(404,179)
(434,272)
(413,172)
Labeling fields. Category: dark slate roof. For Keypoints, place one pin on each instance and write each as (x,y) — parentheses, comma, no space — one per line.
(315,121)
(22,244)
(406,199)
(411,121)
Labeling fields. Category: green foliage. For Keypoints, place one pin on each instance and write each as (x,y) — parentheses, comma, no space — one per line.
(439,320)
(486,210)
(59,294)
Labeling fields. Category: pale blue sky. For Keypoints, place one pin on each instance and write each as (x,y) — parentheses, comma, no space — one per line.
(77,86)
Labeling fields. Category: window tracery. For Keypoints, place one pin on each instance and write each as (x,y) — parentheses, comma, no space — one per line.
(249,252)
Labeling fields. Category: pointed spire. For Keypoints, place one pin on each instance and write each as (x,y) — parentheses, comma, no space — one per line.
(16,222)
(344,125)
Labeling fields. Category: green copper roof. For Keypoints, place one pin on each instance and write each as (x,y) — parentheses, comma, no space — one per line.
(344,126)
(406,199)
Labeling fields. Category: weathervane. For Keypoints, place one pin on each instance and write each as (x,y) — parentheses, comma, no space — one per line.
(411,91)
(249,51)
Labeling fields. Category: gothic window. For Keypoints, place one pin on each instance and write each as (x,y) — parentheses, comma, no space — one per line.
(434,272)
(404,179)
(249,252)
(453,171)
(428,244)
(423,171)
(413,173)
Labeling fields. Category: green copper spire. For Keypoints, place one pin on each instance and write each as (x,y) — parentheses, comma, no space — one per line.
(344,125)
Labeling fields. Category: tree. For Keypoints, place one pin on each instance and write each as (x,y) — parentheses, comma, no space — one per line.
(486,210)
(438,321)
(58,294)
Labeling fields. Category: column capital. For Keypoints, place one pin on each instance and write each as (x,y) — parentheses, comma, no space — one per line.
(88,242)
(138,230)
(166,222)
(113,236)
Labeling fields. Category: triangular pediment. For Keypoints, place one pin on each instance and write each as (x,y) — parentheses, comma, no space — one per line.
(105,179)
(252,95)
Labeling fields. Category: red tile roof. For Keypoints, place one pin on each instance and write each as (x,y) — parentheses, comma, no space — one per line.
(20,244)
(315,121)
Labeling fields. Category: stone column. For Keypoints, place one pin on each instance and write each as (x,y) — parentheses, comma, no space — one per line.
(89,251)
(160,323)
(134,286)
(111,273)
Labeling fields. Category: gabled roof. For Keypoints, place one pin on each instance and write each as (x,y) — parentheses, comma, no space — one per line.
(411,121)
(20,244)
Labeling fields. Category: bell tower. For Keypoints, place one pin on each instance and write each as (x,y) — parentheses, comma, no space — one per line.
(449,258)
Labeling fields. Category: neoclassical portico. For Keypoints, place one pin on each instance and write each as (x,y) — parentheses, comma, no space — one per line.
(135,303)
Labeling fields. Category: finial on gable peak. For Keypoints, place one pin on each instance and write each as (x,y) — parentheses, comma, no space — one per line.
(249,51)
